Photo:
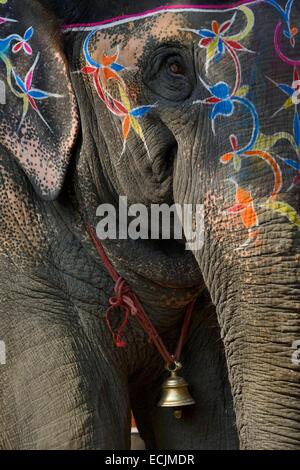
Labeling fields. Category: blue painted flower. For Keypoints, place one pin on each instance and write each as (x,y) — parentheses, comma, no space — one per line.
(224,106)
(23,43)
(29,94)
(293,93)
(221,100)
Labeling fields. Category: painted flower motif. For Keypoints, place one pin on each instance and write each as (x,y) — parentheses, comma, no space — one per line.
(107,69)
(23,43)
(290,31)
(293,93)
(101,72)
(234,155)
(221,100)
(245,207)
(30,95)
(130,117)
(291,35)
(216,41)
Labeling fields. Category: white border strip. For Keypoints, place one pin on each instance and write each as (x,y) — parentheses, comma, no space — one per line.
(113,24)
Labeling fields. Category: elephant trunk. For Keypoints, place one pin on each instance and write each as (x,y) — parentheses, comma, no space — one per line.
(265,382)
(253,278)
(257,293)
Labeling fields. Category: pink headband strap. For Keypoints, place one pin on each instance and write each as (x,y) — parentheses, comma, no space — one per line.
(118,20)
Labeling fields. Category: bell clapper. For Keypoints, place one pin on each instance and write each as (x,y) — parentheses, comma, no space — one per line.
(177,414)
(175,392)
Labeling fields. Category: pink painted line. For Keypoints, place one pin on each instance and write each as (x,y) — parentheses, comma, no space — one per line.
(157,10)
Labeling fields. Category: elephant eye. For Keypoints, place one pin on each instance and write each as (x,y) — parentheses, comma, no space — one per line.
(169,73)
(176,68)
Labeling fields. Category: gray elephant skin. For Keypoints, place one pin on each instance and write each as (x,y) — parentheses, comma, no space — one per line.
(162,103)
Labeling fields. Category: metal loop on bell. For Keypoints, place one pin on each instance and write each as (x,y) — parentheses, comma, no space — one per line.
(173,366)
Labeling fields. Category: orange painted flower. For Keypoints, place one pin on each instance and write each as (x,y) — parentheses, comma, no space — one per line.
(107,68)
(245,207)
(130,118)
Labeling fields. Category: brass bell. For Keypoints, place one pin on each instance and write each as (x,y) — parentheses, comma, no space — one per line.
(175,392)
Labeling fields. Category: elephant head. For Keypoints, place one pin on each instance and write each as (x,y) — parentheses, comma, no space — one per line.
(189,104)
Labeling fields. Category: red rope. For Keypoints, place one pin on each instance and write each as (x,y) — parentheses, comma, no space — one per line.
(185,329)
(126,300)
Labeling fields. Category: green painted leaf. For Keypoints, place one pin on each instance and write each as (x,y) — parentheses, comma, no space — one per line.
(265,142)
(242,91)
(236,162)
(284,209)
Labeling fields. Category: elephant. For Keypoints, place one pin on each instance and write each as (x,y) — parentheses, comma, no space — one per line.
(162,103)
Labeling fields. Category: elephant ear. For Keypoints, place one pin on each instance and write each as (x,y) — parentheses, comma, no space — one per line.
(38,115)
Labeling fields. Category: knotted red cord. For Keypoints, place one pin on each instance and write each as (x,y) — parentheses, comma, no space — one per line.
(126,300)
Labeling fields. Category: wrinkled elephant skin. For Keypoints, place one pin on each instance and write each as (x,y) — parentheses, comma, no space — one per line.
(159,102)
